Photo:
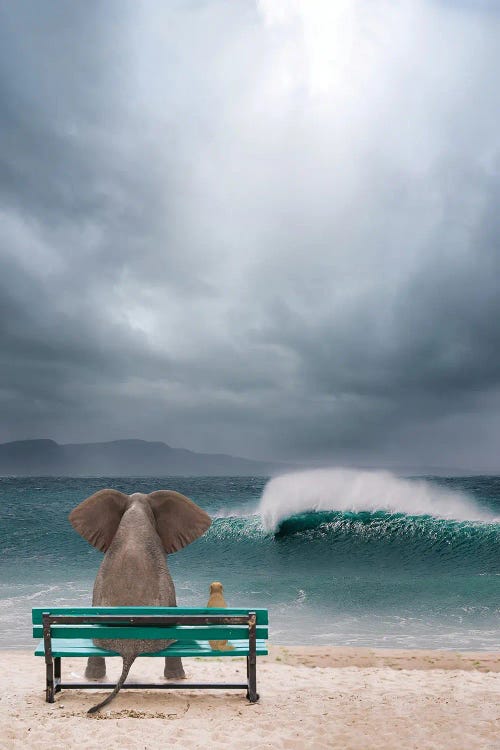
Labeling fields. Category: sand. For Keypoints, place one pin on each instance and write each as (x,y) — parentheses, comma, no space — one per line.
(310,698)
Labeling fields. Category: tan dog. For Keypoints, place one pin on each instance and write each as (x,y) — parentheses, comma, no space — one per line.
(216,599)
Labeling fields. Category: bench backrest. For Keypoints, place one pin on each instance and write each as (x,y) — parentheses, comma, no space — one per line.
(177,623)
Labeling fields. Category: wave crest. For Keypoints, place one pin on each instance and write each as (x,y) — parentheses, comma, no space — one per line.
(355,491)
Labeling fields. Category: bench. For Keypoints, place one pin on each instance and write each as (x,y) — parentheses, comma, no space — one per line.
(69,632)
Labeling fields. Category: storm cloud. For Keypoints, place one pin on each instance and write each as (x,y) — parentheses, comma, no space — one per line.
(264,228)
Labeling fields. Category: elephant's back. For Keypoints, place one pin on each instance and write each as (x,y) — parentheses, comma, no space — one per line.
(128,578)
(134,573)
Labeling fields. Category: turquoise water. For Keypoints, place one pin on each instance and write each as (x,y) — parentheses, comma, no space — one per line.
(345,558)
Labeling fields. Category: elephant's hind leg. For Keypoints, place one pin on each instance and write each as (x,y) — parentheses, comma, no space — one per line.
(173,668)
(96,668)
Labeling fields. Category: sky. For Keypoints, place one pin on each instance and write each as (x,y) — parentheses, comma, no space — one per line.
(269,228)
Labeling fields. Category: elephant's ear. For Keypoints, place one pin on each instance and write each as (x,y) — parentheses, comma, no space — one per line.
(98,517)
(179,521)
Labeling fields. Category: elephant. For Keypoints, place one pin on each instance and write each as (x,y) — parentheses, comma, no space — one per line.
(135,532)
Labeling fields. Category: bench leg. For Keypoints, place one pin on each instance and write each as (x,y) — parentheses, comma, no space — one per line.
(49,679)
(57,674)
(252,693)
(49,661)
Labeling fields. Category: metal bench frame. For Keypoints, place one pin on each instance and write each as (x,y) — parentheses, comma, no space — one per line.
(54,683)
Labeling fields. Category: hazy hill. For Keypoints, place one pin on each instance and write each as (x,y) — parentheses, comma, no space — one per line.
(119,458)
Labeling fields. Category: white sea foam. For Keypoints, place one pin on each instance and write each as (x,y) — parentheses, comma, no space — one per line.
(231,511)
(355,491)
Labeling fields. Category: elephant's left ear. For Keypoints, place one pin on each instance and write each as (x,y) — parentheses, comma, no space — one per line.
(179,521)
(97,518)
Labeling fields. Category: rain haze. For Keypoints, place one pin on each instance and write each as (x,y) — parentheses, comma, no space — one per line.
(269,229)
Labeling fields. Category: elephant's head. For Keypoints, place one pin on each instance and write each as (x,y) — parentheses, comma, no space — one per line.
(177,519)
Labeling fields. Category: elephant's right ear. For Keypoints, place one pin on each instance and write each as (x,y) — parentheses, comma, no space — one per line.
(98,517)
(179,521)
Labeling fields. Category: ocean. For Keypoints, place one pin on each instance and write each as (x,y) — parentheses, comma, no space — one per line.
(339,557)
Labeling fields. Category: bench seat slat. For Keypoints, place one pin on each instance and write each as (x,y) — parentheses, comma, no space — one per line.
(179,632)
(261,614)
(84,647)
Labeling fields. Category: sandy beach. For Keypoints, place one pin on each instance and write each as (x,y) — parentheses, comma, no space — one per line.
(310,698)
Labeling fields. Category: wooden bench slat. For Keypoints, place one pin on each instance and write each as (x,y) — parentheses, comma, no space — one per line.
(176,632)
(261,614)
(83,647)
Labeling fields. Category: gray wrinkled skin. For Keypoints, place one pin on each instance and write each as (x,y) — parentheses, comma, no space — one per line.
(136,532)
(134,572)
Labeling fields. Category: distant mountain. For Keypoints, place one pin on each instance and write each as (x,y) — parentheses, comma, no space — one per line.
(121,458)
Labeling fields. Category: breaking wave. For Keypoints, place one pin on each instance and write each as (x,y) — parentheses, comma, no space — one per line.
(362,492)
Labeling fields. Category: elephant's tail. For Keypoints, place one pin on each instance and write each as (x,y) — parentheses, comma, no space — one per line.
(127,663)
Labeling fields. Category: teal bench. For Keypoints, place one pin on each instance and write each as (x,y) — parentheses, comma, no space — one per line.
(69,632)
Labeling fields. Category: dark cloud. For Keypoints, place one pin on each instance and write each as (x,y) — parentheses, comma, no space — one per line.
(262,228)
